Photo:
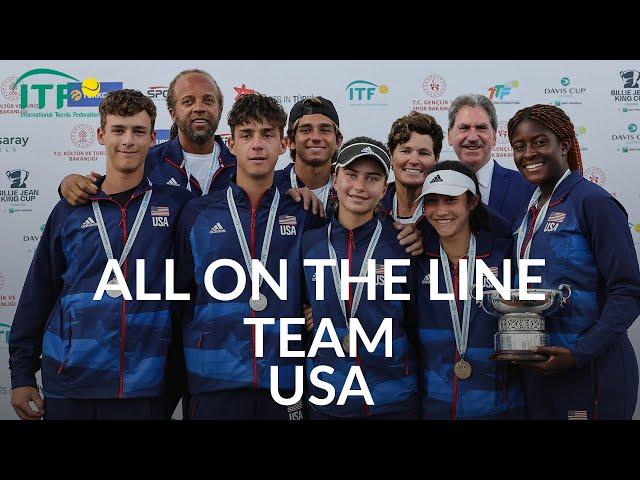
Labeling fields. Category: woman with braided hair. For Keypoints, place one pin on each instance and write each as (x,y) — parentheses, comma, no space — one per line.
(591,368)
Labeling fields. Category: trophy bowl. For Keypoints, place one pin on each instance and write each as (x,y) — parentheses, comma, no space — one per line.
(521,323)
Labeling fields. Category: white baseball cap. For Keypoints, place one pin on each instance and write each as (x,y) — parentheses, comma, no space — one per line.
(447,182)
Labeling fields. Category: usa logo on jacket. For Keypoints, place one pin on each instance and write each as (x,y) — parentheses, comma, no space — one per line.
(553,221)
(159,216)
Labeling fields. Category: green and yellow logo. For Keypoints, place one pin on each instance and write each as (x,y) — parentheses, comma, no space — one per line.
(61,91)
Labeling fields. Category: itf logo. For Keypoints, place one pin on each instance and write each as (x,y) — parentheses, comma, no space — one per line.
(86,93)
(362,92)
(500,91)
(630,78)
(18,178)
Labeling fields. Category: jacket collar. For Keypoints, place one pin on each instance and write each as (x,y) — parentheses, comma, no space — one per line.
(484,244)
(144,185)
(565,187)
(176,156)
(242,199)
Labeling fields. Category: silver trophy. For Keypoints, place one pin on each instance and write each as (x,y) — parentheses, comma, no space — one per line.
(521,323)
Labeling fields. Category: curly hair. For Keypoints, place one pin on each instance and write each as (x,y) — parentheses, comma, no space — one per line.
(256,107)
(125,103)
(415,122)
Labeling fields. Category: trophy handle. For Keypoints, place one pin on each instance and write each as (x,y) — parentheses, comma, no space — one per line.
(564,299)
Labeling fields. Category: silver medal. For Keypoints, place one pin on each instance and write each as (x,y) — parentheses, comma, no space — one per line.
(113,293)
(345,344)
(260,304)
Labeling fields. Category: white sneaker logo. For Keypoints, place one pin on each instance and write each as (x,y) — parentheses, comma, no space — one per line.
(89,222)
(173,182)
(217,228)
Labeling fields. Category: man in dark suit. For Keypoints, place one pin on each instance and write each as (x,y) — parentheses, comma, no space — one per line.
(473,123)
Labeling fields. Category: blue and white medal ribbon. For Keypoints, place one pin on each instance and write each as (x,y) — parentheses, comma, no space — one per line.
(261,303)
(522,230)
(210,173)
(357,294)
(132,236)
(462,368)
(416,214)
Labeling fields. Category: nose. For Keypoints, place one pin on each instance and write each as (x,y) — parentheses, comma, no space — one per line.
(199,106)
(257,142)
(529,151)
(315,135)
(128,137)
(472,135)
(358,183)
(413,158)
(441,208)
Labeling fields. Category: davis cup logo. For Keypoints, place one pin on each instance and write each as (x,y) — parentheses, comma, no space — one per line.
(595,175)
(434,85)
(1,281)
(8,91)
(83,135)
(502,135)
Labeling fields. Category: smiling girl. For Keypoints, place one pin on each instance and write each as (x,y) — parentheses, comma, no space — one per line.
(581,231)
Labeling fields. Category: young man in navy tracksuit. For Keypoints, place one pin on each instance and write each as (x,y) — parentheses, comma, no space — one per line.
(194,159)
(356,233)
(458,379)
(101,359)
(251,219)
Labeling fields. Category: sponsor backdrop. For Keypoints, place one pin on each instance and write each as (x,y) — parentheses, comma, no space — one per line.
(49,116)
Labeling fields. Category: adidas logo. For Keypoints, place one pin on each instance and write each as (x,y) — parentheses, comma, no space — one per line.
(217,228)
(435,179)
(426,280)
(173,182)
(89,222)
(366,150)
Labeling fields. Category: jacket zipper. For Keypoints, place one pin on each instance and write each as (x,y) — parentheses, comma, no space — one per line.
(123,318)
(529,236)
(454,403)
(350,248)
(252,244)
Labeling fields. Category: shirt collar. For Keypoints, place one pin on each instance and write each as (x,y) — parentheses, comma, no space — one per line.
(485,173)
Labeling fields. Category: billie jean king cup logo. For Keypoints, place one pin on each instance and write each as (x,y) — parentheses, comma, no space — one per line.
(521,323)
(18,178)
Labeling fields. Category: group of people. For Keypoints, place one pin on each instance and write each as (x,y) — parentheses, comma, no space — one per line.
(196,200)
